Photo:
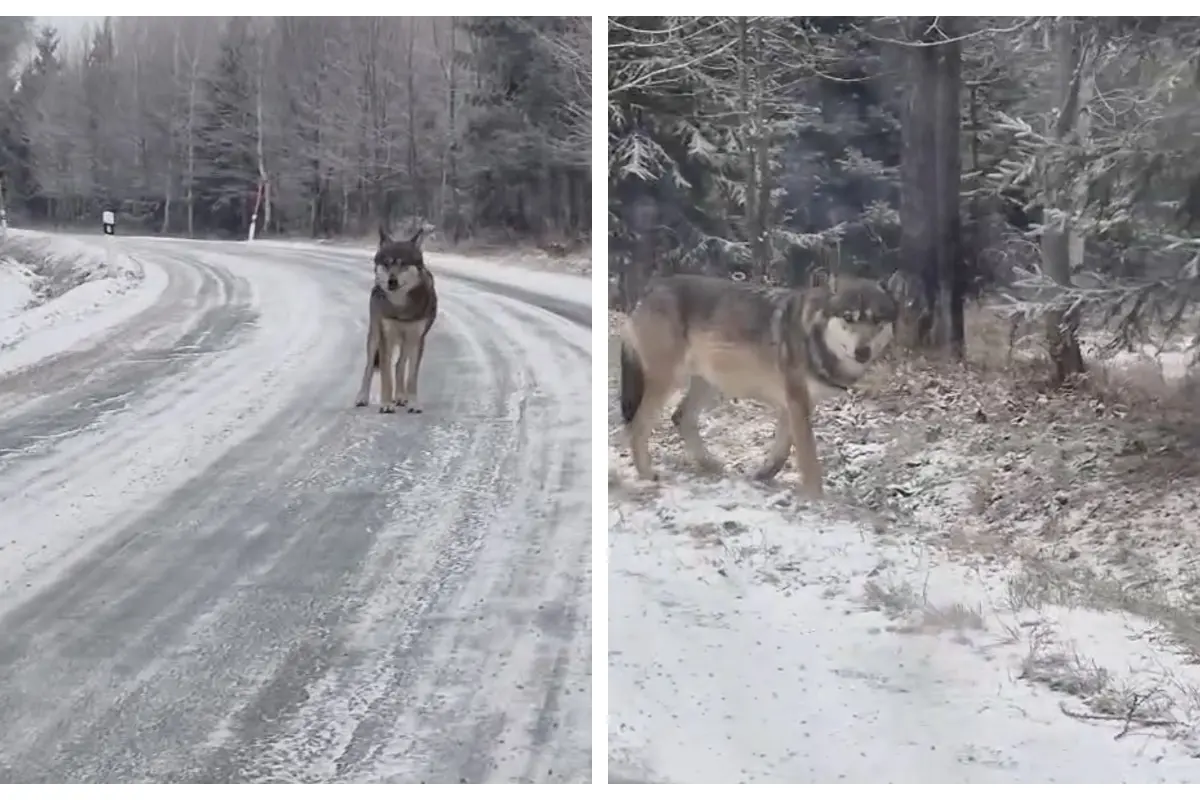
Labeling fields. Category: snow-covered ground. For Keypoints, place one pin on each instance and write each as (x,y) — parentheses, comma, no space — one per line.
(18,287)
(751,641)
(104,287)
(757,638)
(573,288)
(214,568)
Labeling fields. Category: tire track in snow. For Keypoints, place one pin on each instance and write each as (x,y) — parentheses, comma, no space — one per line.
(97,480)
(385,715)
(72,394)
(260,620)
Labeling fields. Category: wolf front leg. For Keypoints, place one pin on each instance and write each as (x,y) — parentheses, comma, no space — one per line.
(413,371)
(387,387)
(401,370)
(799,417)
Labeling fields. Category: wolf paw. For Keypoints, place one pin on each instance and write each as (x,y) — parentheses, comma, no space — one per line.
(360,402)
(414,408)
(810,492)
(387,408)
(403,401)
(767,472)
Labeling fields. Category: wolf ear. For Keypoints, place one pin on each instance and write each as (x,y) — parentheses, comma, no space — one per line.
(383,236)
(416,239)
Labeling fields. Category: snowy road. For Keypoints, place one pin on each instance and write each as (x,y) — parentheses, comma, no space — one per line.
(214,568)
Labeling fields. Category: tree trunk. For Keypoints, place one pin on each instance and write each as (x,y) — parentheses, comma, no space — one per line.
(166,223)
(748,141)
(949,163)
(414,184)
(931,171)
(762,245)
(191,147)
(453,130)
(262,197)
(635,278)
(1061,325)
(918,183)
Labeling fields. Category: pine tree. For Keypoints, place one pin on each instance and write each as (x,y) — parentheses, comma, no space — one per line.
(227,182)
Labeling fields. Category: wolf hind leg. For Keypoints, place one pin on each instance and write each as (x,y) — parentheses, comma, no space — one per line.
(655,394)
(364,390)
(700,395)
(781,448)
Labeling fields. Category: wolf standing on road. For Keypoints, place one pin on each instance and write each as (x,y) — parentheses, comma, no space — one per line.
(403,308)
(785,347)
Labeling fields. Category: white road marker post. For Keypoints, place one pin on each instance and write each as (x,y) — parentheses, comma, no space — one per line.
(3,214)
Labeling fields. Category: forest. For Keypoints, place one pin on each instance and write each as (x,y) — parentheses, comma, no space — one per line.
(310,126)
(1054,158)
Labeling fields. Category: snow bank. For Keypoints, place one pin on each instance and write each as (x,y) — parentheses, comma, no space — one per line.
(1172,365)
(572,288)
(87,288)
(18,287)
(751,640)
(509,271)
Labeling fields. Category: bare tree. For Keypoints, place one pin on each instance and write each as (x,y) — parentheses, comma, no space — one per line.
(324,126)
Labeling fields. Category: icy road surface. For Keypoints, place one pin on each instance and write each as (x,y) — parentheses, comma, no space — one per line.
(214,568)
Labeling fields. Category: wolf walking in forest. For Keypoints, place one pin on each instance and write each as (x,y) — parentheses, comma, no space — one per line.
(785,347)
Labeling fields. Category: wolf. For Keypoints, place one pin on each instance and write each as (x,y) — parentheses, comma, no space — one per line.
(785,347)
(403,307)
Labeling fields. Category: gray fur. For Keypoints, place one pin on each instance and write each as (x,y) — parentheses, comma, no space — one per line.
(403,307)
(785,347)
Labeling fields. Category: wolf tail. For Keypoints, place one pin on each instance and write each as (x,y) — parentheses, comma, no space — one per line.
(633,383)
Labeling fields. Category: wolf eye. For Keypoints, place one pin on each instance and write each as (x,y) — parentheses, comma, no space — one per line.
(848,316)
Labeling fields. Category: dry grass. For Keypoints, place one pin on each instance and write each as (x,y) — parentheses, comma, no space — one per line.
(1096,476)
(901,601)
(1135,702)
(1087,496)
(1096,483)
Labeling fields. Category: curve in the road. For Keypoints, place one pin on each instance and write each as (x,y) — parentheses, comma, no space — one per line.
(247,579)
(201,313)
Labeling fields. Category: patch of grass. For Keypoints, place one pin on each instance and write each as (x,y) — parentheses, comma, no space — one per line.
(1147,699)
(1140,701)
(1176,624)
(901,601)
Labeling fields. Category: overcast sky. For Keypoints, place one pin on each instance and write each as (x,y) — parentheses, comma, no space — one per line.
(69,28)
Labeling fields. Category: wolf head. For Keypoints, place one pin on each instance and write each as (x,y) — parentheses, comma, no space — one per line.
(398,263)
(859,316)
